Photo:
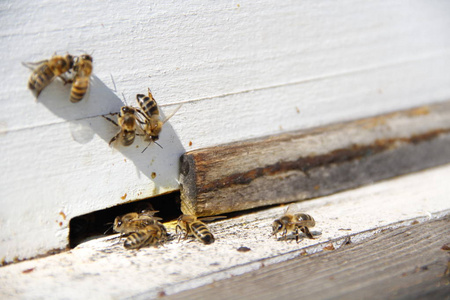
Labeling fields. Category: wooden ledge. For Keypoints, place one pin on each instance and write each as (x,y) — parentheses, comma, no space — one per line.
(315,162)
(409,262)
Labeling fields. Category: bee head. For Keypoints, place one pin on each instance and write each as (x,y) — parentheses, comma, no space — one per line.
(117,224)
(277,226)
(69,59)
(86,57)
(127,110)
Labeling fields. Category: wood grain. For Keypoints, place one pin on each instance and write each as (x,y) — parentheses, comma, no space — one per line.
(316,162)
(403,263)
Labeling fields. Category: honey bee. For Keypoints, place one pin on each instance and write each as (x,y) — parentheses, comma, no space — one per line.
(193,226)
(47,70)
(293,223)
(150,235)
(153,123)
(128,120)
(143,229)
(133,222)
(83,70)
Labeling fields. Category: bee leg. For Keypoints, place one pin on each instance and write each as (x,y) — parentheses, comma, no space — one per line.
(112,121)
(306,231)
(65,80)
(176,232)
(139,121)
(114,138)
(296,235)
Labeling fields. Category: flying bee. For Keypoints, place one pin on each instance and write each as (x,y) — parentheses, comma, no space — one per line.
(83,70)
(193,226)
(293,223)
(150,235)
(47,70)
(128,120)
(153,123)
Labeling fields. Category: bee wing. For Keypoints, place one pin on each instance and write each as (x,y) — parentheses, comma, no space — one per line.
(88,91)
(141,114)
(291,209)
(32,65)
(150,213)
(173,113)
(140,120)
(209,219)
(299,223)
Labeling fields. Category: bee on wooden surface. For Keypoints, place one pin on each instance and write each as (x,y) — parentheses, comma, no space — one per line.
(47,70)
(150,235)
(143,229)
(153,123)
(291,222)
(193,226)
(127,121)
(83,70)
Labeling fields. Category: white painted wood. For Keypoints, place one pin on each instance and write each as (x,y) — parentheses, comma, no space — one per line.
(102,268)
(242,70)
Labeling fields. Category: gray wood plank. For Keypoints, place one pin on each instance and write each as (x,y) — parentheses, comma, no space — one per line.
(403,263)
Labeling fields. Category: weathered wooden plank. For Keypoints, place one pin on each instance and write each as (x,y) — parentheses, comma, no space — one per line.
(403,263)
(316,162)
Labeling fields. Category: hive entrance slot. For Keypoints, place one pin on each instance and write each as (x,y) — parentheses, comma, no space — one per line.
(99,223)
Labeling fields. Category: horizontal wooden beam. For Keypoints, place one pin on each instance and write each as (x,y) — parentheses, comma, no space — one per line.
(316,162)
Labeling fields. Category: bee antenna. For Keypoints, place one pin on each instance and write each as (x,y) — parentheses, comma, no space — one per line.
(113,82)
(146,147)
(149,145)
(124,100)
(110,227)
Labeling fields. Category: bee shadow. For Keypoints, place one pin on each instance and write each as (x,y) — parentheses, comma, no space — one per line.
(301,236)
(86,120)
(99,100)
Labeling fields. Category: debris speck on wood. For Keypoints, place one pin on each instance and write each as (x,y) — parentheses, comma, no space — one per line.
(446,247)
(161,294)
(28,270)
(329,247)
(243,249)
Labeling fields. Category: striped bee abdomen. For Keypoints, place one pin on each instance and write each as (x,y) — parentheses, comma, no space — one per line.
(202,232)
